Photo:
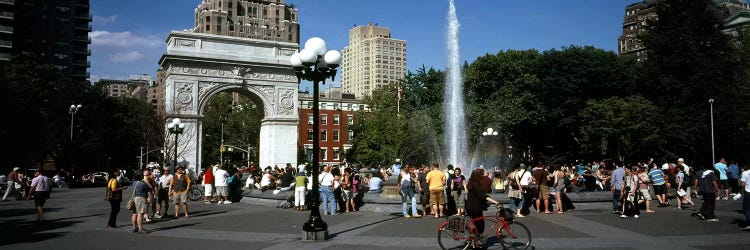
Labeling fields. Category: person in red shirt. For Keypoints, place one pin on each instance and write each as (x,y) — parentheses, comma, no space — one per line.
(208,181)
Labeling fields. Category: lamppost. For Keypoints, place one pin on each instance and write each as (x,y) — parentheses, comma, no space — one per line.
(73,110)
(175,127)
(488,132)
(314,64)
(713,152)
(222,119)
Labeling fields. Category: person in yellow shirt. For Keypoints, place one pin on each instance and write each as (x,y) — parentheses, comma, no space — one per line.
(436,182)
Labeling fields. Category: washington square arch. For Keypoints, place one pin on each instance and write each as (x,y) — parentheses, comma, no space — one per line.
(199,66)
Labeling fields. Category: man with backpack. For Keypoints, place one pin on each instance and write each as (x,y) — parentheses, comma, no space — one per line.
(706,183)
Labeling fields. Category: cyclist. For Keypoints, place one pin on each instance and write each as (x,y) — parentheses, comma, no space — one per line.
(476,199)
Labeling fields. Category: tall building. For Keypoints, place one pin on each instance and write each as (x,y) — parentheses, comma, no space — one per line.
(259,19)
(55,32)
(138,86)
(637,15)
(371,60)
(337,113)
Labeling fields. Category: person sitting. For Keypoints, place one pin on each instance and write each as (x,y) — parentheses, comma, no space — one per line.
(376,183)
(287,180)
(268,180)
(590,181)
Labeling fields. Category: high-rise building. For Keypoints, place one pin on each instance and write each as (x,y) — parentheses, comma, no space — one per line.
(637,16)
(259,19)
(371,60)
(55,32)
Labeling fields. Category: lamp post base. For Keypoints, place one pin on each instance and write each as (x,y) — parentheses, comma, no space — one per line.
(315,236)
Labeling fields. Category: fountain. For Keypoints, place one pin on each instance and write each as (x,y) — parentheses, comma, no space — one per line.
(455,124)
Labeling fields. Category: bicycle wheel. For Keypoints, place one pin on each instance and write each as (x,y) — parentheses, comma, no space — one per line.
(515,236)
(451,239)
(195,193)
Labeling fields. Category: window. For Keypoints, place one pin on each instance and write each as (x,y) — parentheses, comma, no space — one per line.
(309,105)
(335,119)
(336,153)
(323,119)
(350,134)
(309,119)
(310,134)
(323,153)
(335,135)
(349,120)
(323,135)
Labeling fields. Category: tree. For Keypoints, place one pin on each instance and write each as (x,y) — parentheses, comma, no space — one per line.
(620,128)
(241,127)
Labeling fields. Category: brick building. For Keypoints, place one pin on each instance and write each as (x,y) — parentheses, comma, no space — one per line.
(337,113)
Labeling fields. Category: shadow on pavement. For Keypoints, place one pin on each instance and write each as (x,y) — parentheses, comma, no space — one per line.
(22,231)
(174,227)
(333,235)
(24,211)
(203,213)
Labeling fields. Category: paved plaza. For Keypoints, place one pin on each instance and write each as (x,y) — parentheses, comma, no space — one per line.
(76,220)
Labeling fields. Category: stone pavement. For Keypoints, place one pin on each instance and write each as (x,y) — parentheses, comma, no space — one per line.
(77,218)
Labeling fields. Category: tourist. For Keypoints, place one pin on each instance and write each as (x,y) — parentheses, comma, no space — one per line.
(514,193)
(723,182)
(745,185)
(656,177)
(457,187)
(558,187)
(346,188)
(162,194)
(630,194)
(541,177)
(221,182)
(405,184)
(707,185)
(114,196)
(140,198)
(436,181)
(396,168)
(477,199)
(151,199)
(300,189)
(424,193)
(178,188)
(616,185)
(11,183)
(733,175)
(326,180)
(643,181)
(524,179)
(268,180)
(376,183)
(682,195)
(208,183)
(601,178)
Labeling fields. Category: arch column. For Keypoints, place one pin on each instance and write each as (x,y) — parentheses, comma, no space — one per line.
(278,143)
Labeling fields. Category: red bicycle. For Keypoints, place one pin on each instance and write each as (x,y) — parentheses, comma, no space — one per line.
(501,231)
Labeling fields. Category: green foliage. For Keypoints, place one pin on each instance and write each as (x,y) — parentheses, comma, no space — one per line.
(241,127)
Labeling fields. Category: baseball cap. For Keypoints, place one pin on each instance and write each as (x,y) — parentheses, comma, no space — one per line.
(680,160)
(16,169)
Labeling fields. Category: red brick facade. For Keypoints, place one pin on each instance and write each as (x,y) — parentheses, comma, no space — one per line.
(336,115)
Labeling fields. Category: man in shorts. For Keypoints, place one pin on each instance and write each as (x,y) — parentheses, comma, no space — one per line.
(208,184)
(40,188)
(178,189)
(643,181)
(162,194)
(657,181)
(221,181)
(722,168)
(424,194)
(436,182)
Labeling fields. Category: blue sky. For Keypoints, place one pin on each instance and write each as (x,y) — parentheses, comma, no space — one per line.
(128,36)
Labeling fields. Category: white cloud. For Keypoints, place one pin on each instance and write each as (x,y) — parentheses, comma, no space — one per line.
(126,57)
(123,39)
(105,19)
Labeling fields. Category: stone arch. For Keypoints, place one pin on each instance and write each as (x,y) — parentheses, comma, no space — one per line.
(258,96)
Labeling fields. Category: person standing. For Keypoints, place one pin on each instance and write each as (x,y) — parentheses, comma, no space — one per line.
(558,182)
(424,194)
(208,184)
(326,191)
(733,178)
(645,196)
(525,179)
(40,189)
(405,184)
(457,189)
(12,180)
(706,183)
(723,182)
(514,193)
(140,198)
(476,199)
(436,182)
(657,181)
(618,176)
(162,194)
(114,196)
(221,181)
(541,177)
(396,167)
(178,189)
(682,194)
(300,190)
(745,184)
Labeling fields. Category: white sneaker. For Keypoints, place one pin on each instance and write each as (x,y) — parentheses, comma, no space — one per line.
(219,202)
(713,220)
(636,216)
(623,216)
(227,202)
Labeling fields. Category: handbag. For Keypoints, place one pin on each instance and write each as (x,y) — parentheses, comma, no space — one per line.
(131,202)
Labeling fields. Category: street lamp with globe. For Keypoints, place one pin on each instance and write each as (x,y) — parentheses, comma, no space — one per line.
(316,64)
(175,127)
(488,132)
